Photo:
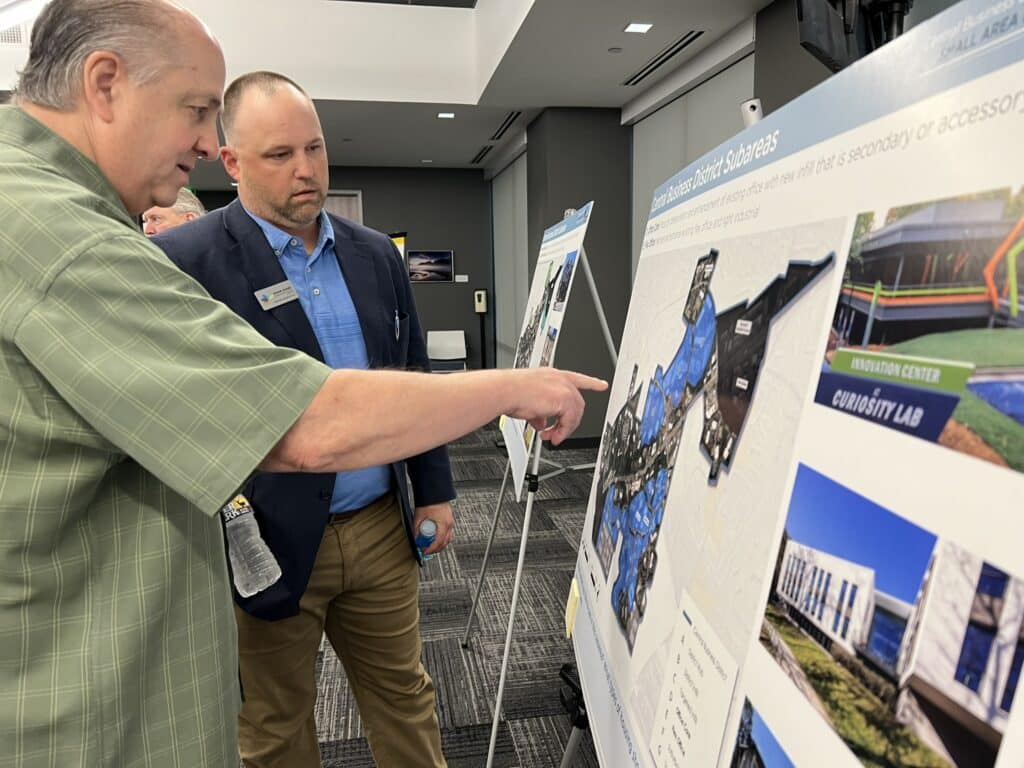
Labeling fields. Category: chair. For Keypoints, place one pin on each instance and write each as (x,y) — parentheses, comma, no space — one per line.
(446,350)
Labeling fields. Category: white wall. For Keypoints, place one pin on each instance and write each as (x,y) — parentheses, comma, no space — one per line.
(939,640)
(680,132)
(496,23)
(853,573)
(511,258)
(356,51)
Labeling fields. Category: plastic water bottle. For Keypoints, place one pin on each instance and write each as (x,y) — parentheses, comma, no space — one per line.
(253,565)
(425,537)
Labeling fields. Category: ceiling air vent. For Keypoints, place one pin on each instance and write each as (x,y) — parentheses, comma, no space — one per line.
(662,58)
(510,118)
(479,156)
(14,37)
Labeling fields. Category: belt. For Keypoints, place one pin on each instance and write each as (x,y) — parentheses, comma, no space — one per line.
(346,516)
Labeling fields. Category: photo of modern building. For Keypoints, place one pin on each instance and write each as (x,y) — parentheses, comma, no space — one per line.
(934,267)
(832,598)
(974,609)
(756,745)
(938,282)
(924,637)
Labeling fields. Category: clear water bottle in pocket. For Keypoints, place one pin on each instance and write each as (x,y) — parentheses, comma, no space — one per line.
(253,565)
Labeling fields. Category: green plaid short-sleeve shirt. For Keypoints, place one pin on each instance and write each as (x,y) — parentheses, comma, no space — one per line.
(132,406)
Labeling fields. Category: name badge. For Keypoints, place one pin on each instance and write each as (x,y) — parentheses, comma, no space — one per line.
(276,295)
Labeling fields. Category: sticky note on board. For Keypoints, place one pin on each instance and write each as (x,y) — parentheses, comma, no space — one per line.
(571,605)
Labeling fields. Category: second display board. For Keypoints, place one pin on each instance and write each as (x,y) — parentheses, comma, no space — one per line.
(561,252)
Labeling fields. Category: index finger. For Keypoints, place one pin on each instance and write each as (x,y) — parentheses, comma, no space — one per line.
(582,381)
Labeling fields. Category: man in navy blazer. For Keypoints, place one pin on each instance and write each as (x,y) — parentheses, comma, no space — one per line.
(339,292)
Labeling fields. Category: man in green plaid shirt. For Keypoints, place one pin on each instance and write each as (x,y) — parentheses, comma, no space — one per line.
(133,406)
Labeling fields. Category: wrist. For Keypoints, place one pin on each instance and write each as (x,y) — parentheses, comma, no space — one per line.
(514,391)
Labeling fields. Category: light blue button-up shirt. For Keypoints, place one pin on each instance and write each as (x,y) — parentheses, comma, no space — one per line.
(324,296)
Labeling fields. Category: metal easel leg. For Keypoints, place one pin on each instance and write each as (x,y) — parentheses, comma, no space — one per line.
(532,483)
(487,554)
(572,700)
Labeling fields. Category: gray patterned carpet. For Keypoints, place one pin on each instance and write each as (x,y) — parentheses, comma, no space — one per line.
(534,728)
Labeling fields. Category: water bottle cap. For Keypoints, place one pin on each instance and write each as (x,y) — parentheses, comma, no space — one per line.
(428,528)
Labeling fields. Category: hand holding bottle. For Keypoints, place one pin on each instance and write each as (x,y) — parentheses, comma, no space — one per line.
(425,537)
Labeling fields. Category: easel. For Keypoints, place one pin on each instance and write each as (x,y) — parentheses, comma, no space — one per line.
(572,700)
(532,484)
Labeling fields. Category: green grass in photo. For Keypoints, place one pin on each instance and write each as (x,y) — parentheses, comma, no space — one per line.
(868,727)
(984,347)
(998,348)
(1004,435)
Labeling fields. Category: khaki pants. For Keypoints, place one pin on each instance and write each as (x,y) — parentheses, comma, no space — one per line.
(363,593)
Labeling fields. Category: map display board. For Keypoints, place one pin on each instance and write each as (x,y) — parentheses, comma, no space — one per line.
(545,307)
(803,541)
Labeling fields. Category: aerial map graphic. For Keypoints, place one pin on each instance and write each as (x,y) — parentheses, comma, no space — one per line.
(720,356)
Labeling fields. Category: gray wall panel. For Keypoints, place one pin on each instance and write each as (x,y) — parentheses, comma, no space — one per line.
(576,155)
(511,258)
(784,69)
(440,209)
(668,140)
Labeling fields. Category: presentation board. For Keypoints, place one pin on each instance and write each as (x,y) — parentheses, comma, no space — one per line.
(545,307)
(803,541)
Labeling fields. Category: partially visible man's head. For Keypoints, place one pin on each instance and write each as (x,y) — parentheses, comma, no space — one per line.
(138,82)
(186,208)
(275,149)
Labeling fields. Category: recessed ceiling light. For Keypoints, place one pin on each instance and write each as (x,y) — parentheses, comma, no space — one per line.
(426,161)
(639,27)
(445,115)
(616,49)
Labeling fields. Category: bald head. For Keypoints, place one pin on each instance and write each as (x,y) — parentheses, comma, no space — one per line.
(275,151)
(262,83)
(146,34)
(134,85)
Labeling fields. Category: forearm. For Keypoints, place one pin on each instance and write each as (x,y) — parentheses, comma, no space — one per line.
(430,475)
(364,418)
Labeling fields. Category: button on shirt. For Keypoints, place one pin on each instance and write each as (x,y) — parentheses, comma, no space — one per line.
(325,298)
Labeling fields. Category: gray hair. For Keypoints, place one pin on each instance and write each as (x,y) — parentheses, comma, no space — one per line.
(67,32)
(187,202)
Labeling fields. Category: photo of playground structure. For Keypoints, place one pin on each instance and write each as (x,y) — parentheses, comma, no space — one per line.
(908,645)
(939,282)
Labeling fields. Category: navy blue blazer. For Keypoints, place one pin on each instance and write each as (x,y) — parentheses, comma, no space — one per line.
(227,252)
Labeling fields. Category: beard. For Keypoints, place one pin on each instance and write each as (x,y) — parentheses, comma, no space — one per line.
(301,212)
(289,211)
